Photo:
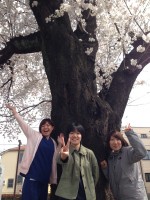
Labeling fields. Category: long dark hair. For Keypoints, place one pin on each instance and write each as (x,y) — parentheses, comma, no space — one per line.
(118,136)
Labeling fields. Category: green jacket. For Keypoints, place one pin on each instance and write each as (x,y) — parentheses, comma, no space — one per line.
(79,162)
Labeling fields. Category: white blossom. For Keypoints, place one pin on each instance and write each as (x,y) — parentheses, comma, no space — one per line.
(35,4)
(89,51)
(139,66)
(83,23)
(78,12)
(48,19)
(91,39)
(78,1)
(133,62)
(140,49)
(65,7)
(146,38)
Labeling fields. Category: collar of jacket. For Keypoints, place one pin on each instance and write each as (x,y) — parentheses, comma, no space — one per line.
(115,154)
(82,150)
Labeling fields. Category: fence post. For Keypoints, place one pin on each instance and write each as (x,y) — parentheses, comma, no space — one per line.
(17,169)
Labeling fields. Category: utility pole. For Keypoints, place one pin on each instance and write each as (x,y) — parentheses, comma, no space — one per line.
(17,169)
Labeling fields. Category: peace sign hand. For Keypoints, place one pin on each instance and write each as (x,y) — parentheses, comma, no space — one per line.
(60,140)
(64,152)
(128,128)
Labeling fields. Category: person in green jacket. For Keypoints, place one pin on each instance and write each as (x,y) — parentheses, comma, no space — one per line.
(80,170)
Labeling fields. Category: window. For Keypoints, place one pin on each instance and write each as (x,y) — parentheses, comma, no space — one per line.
(143,135)
(10,183)
(147,157)
(147,177)
(3,182)
(19,179)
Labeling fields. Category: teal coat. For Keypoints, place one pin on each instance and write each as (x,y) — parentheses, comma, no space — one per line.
(84,163)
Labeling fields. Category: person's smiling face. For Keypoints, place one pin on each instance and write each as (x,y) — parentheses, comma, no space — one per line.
(46,129)
(115,144)
(75,138)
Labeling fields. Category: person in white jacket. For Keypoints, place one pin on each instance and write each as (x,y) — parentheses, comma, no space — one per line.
(38,164)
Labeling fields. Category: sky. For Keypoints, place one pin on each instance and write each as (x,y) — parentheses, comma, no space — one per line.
(136,113)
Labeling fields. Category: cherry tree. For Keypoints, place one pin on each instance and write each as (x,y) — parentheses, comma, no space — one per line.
(73,60)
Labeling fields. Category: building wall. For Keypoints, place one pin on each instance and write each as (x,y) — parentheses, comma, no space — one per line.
(145,164)
(1,178)
(9,161)
(144,134)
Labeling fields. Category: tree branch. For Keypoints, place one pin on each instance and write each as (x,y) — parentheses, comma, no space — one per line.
(134,17)
(88,32)
(9,80)
(21,45)
(125,77)
(27,109)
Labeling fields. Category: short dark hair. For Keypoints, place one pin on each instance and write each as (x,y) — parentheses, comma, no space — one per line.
(118,136)
(44,122)
(76,126)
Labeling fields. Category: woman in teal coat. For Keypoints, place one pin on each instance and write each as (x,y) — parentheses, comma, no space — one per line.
(122,167)
(80,171)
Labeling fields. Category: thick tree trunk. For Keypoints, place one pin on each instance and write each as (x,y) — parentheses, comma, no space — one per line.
(72,82)
(74,95)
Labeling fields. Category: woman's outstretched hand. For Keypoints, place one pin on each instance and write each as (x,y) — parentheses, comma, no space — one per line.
(127,128)
(60,139)
(11,108)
